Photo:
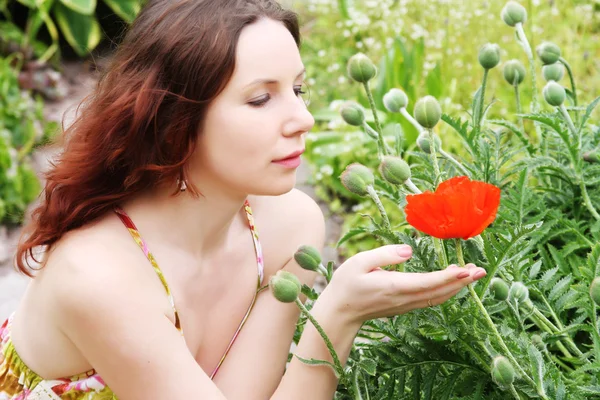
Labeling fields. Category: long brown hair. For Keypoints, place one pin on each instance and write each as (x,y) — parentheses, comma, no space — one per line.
(140,126)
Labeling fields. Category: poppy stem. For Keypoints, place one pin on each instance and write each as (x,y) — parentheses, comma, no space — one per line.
(461,262)
(436,167)
(375,197)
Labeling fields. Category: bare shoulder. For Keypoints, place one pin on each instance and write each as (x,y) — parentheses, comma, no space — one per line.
(294,213)
(98,262)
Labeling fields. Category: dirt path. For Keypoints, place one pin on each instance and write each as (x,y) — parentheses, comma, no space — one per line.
(81,79)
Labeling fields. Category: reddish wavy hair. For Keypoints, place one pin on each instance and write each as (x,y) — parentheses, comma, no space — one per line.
(140,126)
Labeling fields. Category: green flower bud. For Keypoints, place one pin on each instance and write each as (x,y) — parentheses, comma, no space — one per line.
(553,72)
(592,156)
(395,100)
(361,68)
(353,113)
(394,170)
(499,289)
(308,258)
(554,94)
(519,292)
(489,55)
(595,290)
(285,288)
(514,72)
(537,341)
(548,52)
(424,143)
(356,177)
(503,373)
(513,13)
(428,112)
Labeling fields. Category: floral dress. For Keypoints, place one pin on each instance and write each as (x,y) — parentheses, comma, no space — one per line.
(19,382)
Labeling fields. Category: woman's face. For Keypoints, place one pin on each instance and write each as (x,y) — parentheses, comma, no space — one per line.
(258,119)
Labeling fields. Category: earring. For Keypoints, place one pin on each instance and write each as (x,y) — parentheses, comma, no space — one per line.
(182,184)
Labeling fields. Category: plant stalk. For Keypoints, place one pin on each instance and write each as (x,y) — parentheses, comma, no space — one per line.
(571,78)
(479,109)
(455,162)
(534,101)
(588,201)
(375,117)
(461,262)
(410,119)
(412,187)
(379,204)
(436,167)
(336,360)
(519,110)
(513,391)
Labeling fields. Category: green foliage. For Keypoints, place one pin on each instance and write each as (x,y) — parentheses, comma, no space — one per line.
(545,237)
(75,20)
(22,128)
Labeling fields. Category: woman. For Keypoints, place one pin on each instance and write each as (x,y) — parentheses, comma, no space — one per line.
(151,255)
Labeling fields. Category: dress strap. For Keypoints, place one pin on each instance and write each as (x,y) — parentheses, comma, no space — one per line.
(260,266)
(142,243)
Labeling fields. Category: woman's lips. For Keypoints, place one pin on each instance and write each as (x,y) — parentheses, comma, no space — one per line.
(291,162)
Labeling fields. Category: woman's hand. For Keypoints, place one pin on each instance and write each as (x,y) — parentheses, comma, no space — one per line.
(360,290)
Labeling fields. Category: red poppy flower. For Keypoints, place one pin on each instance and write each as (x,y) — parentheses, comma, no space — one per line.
(459,208)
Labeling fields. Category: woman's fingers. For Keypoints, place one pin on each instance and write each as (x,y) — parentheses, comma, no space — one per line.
(403,283)
(370,260)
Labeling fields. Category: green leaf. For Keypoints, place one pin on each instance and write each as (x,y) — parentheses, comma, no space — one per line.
(85,7)
(369,366)
(537,364)
(588,112)
(350,234)
(309,292)
(314,362)
(81,31)
(517,131)
(126,9)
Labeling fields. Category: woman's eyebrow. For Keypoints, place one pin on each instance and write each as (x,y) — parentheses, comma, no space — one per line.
(271,81)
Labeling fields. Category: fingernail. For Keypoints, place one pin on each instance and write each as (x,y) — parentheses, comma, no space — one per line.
(479,274)
(463,275)
(404,250)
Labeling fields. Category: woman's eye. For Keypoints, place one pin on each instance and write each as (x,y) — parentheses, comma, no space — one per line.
(298,90)
(260,102)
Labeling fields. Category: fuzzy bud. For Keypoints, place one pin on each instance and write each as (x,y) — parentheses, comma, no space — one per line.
(356,178)
(489,55)
(537,341)
(394,170)
(592,156)
(395,100)
(519,292)
(514,72)
(428,112)
(595,290)
(424,143)
(499,288)
(513,13)
(503,373)
(548,52)
(553,72)
(308,258)
(361,68)
(554,94)
(353,113)
(285,286)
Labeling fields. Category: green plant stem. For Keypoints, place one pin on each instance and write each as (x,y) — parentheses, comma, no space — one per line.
(336,360)
(587,200)
(461,262)
(372,133)
(375,117)
(571,78)
(541,324)
(519,111)
(410,119)
(379,204)
(479,109)
(455,162)
(513,391)
(412,187)
(439,249)
(595,335)
(434,160)
(569,121)
(557,328)
(534,101)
